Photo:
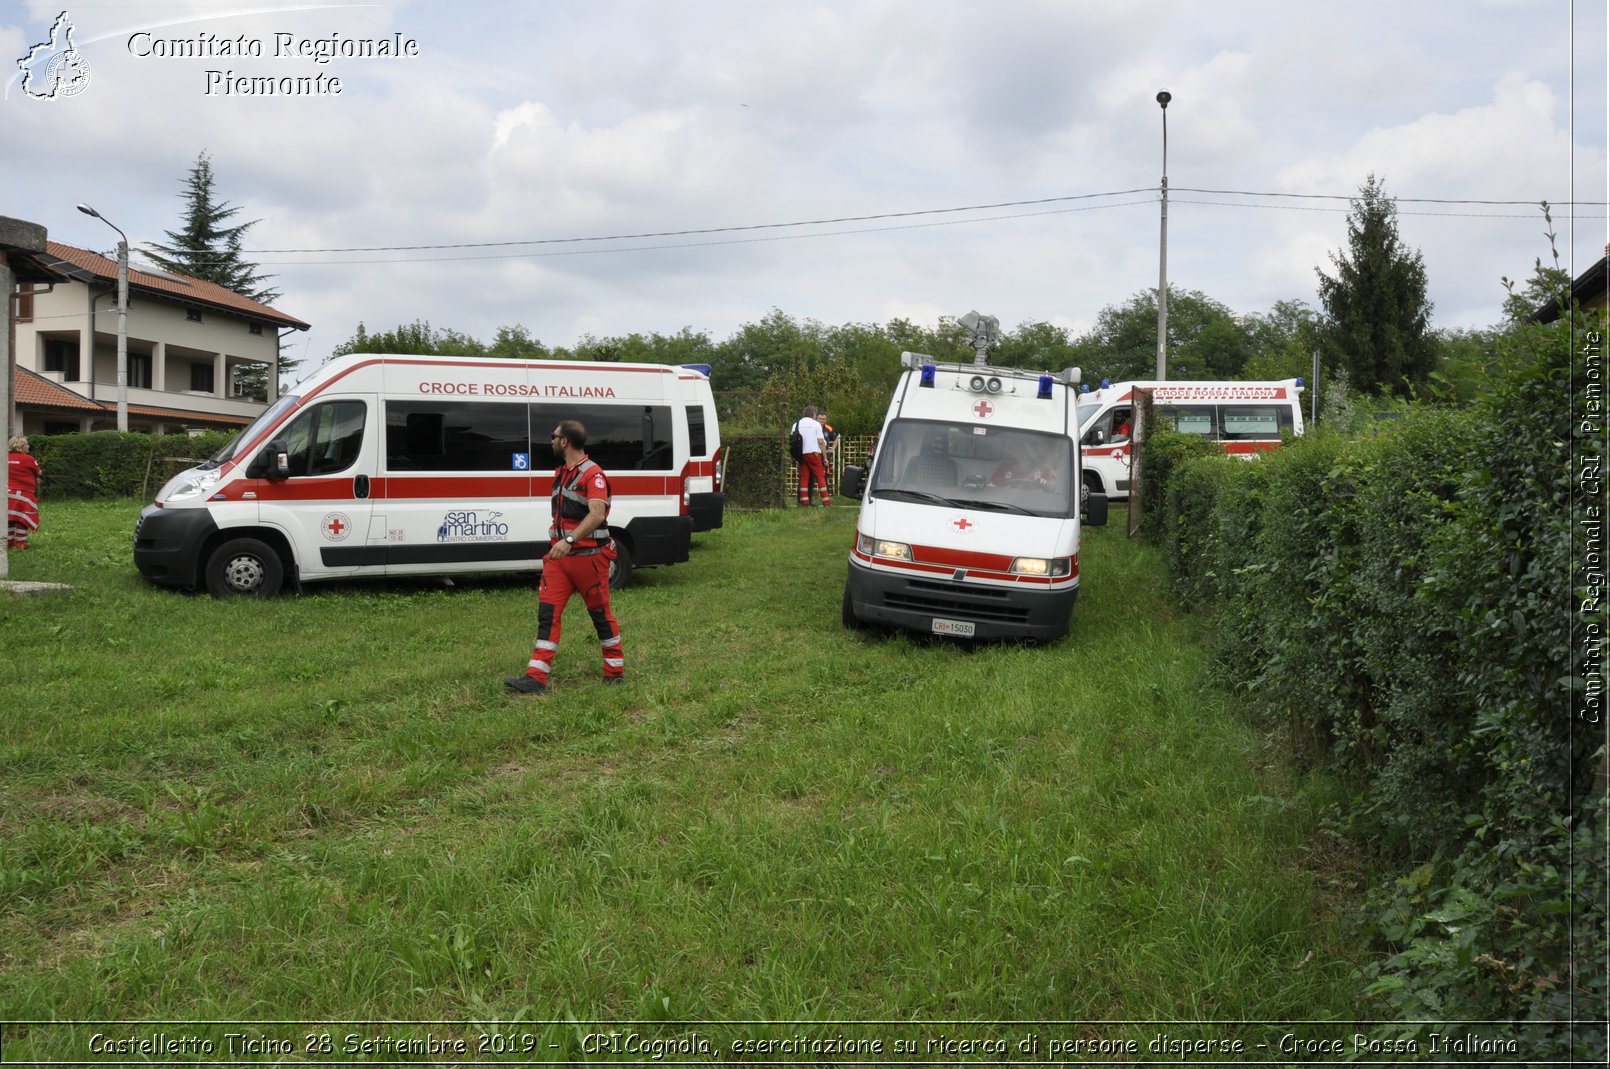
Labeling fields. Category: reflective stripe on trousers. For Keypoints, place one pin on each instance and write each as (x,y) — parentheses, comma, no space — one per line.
(588,576)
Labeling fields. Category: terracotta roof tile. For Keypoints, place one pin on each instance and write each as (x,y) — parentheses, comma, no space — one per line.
(32,388)
(182,287)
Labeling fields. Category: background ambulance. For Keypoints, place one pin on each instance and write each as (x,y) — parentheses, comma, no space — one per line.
(1245,418)
(420,465)
(970,523)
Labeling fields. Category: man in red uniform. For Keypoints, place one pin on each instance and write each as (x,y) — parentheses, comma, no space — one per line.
(812,470)
(578,561)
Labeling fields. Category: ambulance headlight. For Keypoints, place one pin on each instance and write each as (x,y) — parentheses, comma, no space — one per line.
(878,547)
(188,485)
(1055,567)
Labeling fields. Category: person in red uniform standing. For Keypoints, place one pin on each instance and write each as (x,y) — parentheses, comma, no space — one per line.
(577,563)
(22,494)
(812,470)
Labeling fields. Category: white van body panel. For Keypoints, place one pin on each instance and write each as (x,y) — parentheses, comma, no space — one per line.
(422,465)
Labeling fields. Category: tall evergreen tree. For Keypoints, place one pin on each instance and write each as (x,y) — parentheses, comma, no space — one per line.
(204,246)
(1377,318)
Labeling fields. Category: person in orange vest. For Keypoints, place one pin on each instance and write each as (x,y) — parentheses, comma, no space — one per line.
(577,563)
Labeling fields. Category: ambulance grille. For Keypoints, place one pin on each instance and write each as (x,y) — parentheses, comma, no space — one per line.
(942,599)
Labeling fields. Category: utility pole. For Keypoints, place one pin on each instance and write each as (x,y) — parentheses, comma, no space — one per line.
(1162,255)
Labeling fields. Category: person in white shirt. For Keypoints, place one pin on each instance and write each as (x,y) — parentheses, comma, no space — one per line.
(812,469)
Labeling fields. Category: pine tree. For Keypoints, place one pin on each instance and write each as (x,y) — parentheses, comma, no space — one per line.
(205,247)
(1378,319)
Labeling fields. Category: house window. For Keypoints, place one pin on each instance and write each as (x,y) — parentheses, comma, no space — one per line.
(192,315)
(140,370)
(62,357)
(254,328)
(201,377)
(25,302)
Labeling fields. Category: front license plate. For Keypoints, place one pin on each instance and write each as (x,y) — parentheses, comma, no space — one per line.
(961,628)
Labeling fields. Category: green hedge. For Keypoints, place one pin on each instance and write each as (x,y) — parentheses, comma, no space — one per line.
(116,463)
(1398,605)
(754,467)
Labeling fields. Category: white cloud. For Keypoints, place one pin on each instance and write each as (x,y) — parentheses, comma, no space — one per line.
(520,122)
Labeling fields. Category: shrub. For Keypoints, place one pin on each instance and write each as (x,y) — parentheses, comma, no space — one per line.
(117,464)
(1400,599)
(754,470)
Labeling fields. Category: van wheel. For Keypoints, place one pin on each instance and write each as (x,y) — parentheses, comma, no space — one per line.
(244,568)
(620,569)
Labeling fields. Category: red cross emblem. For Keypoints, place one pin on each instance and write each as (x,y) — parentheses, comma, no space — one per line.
(983,408)
(962,524)
(336,526)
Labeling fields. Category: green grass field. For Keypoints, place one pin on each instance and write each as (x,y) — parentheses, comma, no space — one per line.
(327,807)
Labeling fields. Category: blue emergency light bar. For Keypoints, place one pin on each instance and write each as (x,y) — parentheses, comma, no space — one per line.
(703,369)
(1299,382)
(926,376)
(1045,387)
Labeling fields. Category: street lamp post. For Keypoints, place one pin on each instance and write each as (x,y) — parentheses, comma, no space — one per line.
(1162,255)
(122,318)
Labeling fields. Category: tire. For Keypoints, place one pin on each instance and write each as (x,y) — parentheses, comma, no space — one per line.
(851,621)
(620,569)
(244,568)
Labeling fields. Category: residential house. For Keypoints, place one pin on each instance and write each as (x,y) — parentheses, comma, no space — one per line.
(199,355)
(1589,292)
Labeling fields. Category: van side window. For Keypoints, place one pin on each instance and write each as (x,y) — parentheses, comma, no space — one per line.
(696,443)
(619,437)
(327,439)
(1191,419)
(450,435)
(1241,422)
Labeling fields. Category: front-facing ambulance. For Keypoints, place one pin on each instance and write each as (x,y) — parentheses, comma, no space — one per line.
(970,523)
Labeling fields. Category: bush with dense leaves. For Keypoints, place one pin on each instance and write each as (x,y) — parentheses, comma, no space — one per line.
(1399,604)
(117,463)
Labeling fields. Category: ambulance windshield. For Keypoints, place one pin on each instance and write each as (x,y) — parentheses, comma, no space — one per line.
(269,416)
(1005,468)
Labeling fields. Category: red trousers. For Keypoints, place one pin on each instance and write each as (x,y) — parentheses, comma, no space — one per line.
(811,469)
(589,576)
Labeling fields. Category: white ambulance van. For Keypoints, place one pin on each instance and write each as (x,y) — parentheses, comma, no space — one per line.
(1245,418)
(969,525)
(706,501)
(423,465)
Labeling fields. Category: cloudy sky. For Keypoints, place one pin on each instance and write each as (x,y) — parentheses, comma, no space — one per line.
(610,166)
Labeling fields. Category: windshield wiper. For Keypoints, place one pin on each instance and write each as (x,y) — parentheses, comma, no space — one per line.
(919,495)
(1003,506)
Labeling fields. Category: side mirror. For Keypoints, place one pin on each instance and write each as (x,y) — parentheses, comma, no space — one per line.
(850,482)
(1095,510)
(275,460)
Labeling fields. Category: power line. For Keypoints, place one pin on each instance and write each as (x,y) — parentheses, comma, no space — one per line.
(711,230)
(689,244)
(828,221)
